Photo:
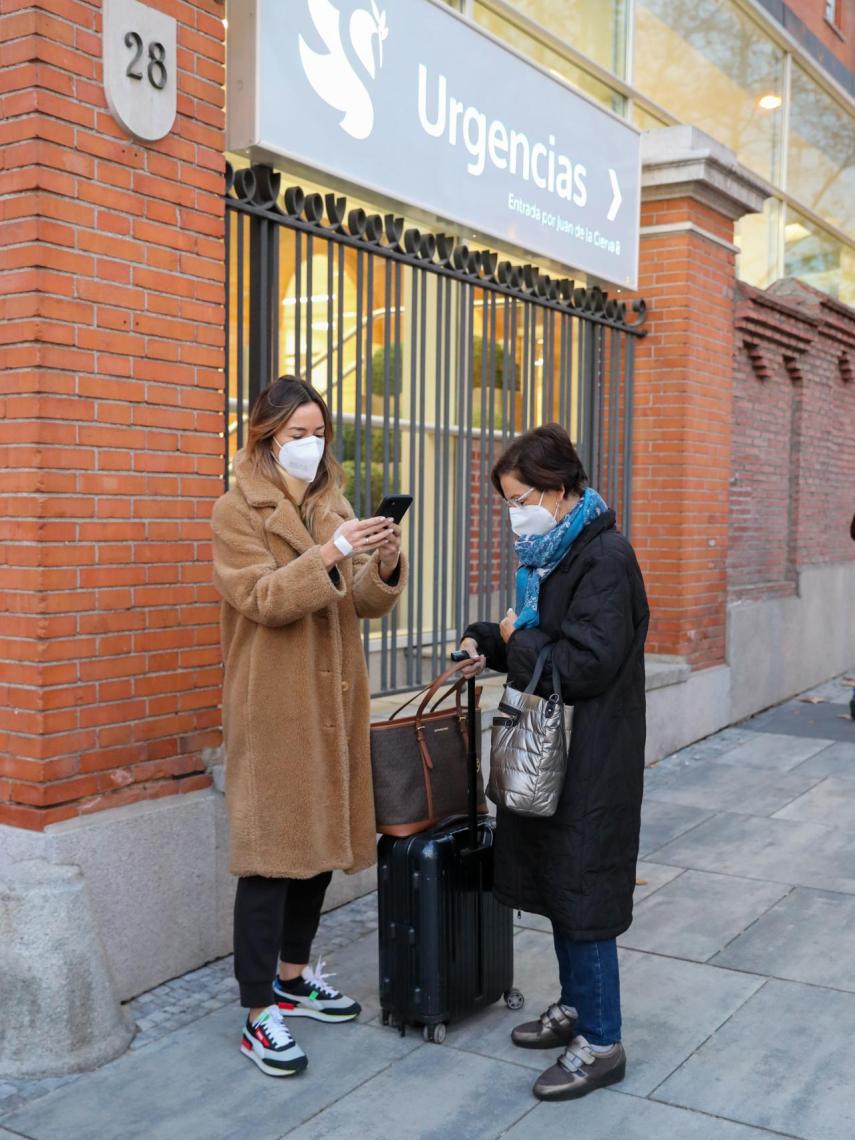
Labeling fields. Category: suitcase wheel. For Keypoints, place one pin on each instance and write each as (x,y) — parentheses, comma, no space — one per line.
(434,1033)
(514,999)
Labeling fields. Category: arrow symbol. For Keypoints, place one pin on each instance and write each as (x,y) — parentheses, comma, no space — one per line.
(616,196)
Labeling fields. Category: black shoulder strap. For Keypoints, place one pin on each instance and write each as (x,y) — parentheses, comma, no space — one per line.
(542,657)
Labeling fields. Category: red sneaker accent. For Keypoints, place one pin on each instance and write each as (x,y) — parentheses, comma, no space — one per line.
(286,1004)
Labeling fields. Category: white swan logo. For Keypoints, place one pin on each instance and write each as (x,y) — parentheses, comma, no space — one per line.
(331,73)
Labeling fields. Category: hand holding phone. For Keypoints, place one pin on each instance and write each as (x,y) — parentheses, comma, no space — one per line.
(394,507)
(360,536)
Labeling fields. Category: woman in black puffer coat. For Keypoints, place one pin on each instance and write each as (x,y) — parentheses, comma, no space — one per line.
(579,589)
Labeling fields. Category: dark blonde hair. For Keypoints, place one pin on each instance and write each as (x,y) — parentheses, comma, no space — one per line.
(271,411)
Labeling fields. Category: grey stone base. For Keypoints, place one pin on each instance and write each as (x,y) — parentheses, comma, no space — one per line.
(783,646)
(777,648)
(58,1009)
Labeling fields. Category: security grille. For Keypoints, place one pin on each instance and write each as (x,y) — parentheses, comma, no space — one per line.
(432,355)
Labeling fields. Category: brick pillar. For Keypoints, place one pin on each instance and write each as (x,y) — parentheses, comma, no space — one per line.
(693,191)
(111,419)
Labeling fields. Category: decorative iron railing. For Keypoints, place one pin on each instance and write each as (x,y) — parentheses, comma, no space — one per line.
(432,355)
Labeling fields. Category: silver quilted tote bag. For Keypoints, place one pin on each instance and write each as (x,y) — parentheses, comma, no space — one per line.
(528,752)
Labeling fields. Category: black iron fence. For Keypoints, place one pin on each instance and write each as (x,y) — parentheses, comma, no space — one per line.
(432,356)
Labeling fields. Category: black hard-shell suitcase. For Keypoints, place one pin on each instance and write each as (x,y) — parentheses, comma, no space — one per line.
(446,944)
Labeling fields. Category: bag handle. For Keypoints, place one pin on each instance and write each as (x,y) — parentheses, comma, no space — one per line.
(427,696)
(430,690)
(434,688)
(457,688)
(542,657)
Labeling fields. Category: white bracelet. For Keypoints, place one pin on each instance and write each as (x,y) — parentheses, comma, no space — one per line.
(343,545)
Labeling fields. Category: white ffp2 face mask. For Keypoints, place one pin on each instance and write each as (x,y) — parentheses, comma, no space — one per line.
(301,457)
(534,520)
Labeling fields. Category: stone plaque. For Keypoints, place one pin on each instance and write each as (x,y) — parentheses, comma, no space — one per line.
(138,46)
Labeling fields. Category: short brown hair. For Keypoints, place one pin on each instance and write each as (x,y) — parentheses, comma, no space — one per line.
(545,459)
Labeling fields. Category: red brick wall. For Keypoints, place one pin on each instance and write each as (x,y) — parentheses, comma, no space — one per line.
(793,493)
(839,41)
(682,429)
(110,418)
(485,568)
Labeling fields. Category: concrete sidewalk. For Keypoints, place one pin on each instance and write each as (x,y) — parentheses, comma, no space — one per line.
(738,990)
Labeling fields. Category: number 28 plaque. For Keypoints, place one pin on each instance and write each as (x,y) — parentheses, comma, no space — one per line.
(139,67)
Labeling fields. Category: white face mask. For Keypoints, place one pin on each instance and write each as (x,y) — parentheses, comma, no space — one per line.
(301,457)
(526,521)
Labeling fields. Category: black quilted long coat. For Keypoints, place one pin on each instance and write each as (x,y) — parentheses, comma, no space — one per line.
(578,867)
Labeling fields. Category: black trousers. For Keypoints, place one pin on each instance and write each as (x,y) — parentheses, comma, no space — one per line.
(274,919)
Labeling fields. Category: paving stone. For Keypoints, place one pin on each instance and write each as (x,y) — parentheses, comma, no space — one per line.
(697,914)
(164,1092)
(669,1008)
(831,803)
(778,850)
(725,787)
(345,924)
(838,760)
(609,1114)
(436,1093)
(795,718)
(357,972)
(650,877)
(807,937)
(773,750)
(712,746)
(532,921)
(780,1062)
(662,822)
(834,691)
(536,976)
(29,1091)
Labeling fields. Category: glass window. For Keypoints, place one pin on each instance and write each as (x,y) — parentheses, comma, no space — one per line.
(757,236)
(711,66)
(645,120)
(821,164)
(818,258)
(548,59)
(595,27)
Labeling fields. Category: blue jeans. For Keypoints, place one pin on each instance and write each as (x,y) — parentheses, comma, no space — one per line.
(590,981)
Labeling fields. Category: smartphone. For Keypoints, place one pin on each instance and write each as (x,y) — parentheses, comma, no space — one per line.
(394,507)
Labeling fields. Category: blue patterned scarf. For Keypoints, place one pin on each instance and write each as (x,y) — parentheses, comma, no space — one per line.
(539,554)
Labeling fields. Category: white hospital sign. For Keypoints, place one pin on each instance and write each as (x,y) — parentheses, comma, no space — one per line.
(408,100)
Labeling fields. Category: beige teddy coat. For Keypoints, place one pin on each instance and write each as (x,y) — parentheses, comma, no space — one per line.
(295,692)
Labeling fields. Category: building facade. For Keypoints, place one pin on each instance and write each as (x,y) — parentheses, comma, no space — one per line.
(150,287)
(770,80)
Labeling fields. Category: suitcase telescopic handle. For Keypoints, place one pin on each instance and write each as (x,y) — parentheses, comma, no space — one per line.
(460,655)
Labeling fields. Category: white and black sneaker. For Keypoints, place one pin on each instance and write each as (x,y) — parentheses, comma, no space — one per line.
(311,996)
(269,1043)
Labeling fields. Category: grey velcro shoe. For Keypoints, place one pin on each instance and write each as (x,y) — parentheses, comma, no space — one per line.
(579,1071)
(552,1029)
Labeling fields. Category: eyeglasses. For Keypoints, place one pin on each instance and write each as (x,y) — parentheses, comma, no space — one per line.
(519,501)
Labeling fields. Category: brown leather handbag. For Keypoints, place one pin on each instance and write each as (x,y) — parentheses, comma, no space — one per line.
(419,762)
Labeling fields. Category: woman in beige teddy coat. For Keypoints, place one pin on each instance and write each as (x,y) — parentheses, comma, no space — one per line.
(296,572)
